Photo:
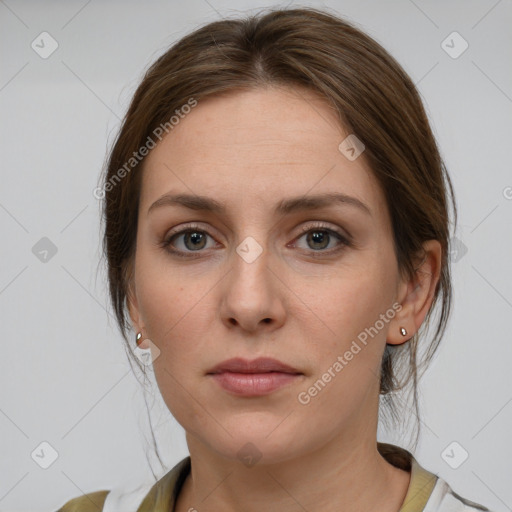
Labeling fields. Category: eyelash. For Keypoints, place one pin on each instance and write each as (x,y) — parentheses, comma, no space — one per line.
(191,228)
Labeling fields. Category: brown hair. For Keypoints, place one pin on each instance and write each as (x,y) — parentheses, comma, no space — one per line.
(374,99)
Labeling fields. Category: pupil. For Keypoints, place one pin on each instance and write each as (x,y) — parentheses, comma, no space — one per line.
(195,237)
(318,236)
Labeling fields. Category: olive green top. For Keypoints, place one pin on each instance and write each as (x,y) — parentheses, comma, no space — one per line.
(162,495)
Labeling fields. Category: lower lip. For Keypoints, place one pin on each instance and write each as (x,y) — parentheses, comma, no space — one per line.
(254,384)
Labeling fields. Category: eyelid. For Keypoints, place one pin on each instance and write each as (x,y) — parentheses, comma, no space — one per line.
(322,225)
(190,226)
(307,227)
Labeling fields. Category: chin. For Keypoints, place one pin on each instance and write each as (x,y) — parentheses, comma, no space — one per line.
(254,441)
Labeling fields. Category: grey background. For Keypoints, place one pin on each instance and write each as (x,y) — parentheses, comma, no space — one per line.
(65,378)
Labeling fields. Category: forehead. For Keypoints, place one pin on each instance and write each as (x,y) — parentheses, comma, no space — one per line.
(256,144)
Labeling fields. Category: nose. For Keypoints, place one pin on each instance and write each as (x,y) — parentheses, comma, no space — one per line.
(253,296)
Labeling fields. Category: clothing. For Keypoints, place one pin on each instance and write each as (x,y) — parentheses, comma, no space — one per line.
(426,492)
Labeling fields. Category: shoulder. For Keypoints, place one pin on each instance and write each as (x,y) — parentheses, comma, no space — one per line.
(91,502)
(142,493)
(445,499)
(427,491)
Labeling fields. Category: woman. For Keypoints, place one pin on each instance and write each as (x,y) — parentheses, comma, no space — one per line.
(276,232)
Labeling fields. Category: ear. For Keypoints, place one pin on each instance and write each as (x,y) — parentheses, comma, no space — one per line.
(416,294)
(133,309)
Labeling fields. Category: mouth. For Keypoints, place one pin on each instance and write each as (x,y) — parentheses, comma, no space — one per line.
(253,378)
(260,365)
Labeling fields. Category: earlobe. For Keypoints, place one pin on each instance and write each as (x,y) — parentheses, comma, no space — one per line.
(416,295)
(138,328)
(398,335)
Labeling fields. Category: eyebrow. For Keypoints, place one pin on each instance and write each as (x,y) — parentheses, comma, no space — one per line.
(286,206)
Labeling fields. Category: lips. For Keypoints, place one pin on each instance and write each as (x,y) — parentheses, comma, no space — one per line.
(255,378)
(260,365)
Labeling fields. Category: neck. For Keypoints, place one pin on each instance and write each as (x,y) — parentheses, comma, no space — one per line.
(344,474)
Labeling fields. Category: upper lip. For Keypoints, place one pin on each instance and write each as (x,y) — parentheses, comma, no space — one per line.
(260,365)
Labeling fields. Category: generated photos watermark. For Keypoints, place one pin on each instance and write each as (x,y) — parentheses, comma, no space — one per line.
(304,397)
(142,152)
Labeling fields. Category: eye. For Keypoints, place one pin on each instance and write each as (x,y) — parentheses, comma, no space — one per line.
(193,239)
(318,237)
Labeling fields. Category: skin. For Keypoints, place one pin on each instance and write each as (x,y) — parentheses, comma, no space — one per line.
(250,150)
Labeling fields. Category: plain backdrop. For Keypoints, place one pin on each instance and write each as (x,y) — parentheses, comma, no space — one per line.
(65,377)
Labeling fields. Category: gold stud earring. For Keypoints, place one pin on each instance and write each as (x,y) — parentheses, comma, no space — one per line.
(403,332)
(138,338)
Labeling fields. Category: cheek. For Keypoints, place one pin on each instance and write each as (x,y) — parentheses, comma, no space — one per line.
(172,313)
(347,346)
(177,310)
(176,321)
(349,302)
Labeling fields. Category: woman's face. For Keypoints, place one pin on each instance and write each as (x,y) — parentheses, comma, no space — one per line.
(277,270)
